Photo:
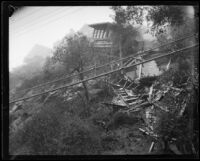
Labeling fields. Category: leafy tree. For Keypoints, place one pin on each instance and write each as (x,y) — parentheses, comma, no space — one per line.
(75,54)
(166,22)
(157,16)
(47,67)
(124,39)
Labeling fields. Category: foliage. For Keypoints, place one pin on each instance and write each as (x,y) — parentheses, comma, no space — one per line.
(74,52)
(127,36)
(38,133)
(157,16)
(55,131)
(28,83)
(78,137)
(172,124)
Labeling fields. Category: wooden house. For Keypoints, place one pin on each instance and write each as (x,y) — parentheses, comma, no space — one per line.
(101,34)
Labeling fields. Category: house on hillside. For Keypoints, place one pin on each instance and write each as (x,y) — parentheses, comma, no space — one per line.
(103,44)
(151,68)
(102,34)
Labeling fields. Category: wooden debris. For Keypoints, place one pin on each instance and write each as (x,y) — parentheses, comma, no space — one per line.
(151,147)
(150,93)
(138,106)
(156,104)
(159,95)
(148,132)
(182,109)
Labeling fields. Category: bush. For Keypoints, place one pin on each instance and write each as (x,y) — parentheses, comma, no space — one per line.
(79,137)
(39,132)
(55,131)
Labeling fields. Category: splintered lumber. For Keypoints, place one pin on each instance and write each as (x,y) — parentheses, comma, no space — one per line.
(160,106)
(174,88)
(130,93)
(131,84)
(136,102)
(120,95)
(150,93)
(182,110)
(114,105)
(125,84)
(149,133)
(144,131)
(140,105)
(151,147)
(126,97)
(122,92)
(130,99)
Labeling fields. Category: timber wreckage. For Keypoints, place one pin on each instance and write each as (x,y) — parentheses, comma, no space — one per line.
(135,81)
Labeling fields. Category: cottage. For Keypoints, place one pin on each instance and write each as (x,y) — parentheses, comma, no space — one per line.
(102,39)
(102,34)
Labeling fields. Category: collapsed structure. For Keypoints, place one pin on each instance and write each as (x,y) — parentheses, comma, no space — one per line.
(133,93)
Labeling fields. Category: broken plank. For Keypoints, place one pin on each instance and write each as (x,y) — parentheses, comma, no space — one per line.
(159,106)
(121,92)
(140,105)
(136,102)
(151,147)
(130,99)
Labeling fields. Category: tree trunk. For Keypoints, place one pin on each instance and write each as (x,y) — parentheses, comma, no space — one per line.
(84,86)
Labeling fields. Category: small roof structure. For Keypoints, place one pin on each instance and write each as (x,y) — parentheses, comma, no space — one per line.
(101,25)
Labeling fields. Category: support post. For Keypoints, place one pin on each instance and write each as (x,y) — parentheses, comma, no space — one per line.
(140,70)
(95,69)
(120,52)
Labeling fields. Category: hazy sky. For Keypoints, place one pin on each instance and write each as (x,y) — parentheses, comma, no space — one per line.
(46,25)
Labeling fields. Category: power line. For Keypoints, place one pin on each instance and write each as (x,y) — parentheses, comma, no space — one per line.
(42,17)
(68,76)
(30,13)
(112,62)
(48,22)
(72,84)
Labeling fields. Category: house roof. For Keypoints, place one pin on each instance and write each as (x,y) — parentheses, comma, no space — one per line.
(100,25)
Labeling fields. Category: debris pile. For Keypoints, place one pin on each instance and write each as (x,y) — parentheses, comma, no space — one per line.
(155,98)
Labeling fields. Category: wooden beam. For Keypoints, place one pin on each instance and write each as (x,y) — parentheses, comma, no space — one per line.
(107,73)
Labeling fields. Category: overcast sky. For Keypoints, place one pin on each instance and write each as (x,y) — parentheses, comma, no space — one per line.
(46,25)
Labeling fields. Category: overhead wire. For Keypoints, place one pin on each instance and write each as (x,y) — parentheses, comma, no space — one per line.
(100,75)
(46,15)
(112,62)
(27,16)
(48,22)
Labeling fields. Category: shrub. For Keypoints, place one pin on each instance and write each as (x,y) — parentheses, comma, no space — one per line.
(40,131)
(79,137)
